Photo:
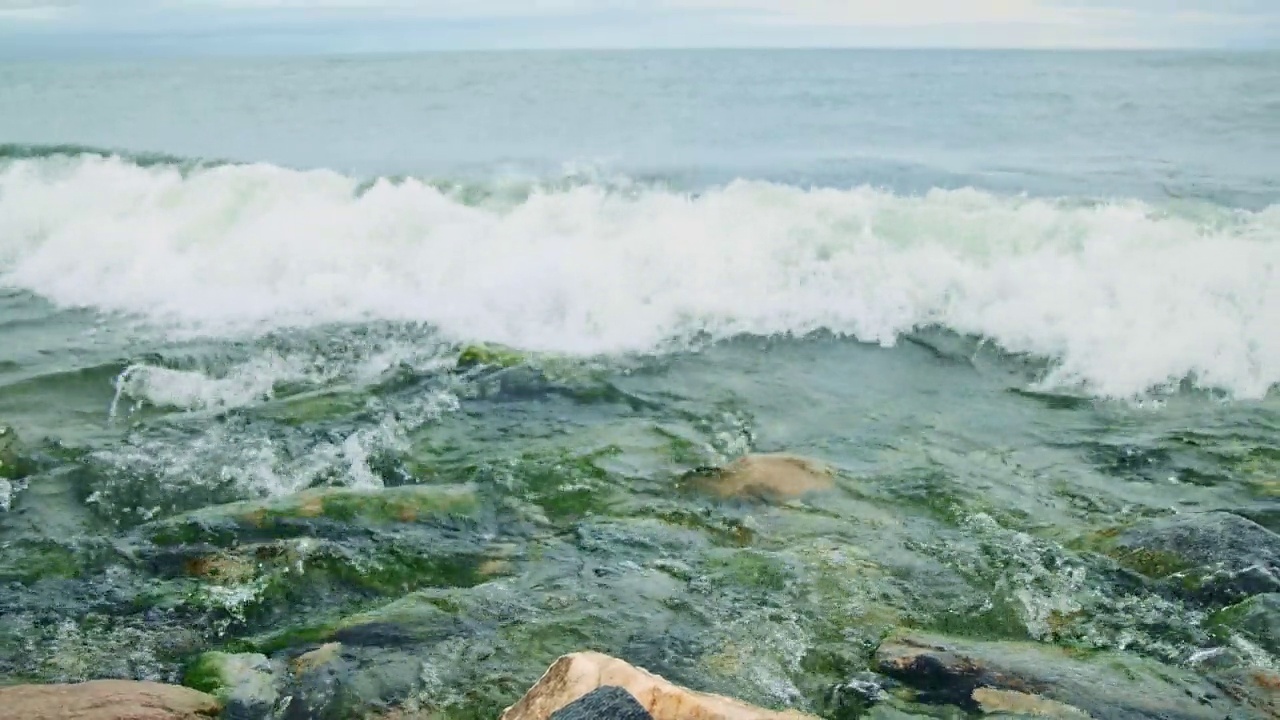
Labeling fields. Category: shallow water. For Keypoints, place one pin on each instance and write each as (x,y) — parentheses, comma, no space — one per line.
(1014,299)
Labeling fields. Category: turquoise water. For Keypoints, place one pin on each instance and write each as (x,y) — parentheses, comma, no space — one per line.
(1016,299)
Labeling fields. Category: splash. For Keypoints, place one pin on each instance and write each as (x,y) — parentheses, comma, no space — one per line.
(1122,297)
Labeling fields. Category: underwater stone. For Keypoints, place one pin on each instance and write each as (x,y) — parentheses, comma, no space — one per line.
(488,355)
(765,477)
(604,703)
(106,700)
(13,466)
(574,676)
(954,671)
(245,683)
(1214,557)
(1257,619)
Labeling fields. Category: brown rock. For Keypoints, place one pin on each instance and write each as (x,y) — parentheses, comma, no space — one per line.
(1015,703)
(106,700)
(767,477)
(573,676)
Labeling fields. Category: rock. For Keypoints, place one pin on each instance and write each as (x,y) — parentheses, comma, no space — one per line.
(576,675)
(993,701)
(771,477)
(244,683)
(13,465)
(609,702)
(1256,619)
(488,356)
(951,671)
(105,700)
(223,524)
(1255,687)
(1215,557)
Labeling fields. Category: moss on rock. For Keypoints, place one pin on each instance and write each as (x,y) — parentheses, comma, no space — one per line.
(473,356)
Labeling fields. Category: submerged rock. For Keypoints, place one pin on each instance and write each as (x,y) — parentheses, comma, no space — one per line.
(1005,676)
(575,676)
(1214,557)
(1256,619)
(13,464)
(245,683)
(771,477)
(106,700)
(488,355)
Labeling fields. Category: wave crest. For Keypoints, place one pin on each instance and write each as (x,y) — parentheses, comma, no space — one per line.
(1122,296)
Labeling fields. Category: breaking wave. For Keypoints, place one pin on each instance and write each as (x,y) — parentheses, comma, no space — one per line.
(1122,297)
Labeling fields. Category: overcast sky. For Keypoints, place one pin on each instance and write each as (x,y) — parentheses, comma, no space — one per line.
(394,25)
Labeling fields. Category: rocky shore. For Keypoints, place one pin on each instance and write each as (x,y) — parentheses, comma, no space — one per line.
(322,604)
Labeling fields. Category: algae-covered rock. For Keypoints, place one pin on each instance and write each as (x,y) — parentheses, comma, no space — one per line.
(244,683)
(764,477)
(294,514)
(952,671)
(105,700)
(473,356)
(1214,557)
(13,463)
(1256,619)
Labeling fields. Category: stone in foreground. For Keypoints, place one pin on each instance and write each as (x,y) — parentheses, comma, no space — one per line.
(574,676)
(106,700)
(604,703)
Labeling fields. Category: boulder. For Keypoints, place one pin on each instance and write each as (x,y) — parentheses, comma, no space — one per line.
(769,477)
(106,700)
(1020,677)
(575,676)
(1217,558)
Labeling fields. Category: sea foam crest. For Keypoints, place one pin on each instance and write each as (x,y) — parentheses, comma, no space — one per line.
(1122,296)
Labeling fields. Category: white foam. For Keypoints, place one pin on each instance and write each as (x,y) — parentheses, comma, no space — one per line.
(1124,296)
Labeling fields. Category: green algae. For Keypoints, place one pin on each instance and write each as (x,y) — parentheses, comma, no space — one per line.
(496,356)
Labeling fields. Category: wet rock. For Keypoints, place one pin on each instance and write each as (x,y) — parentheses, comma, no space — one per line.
(1215,557)
(574,676)
(495,356)
(768,477)
(1256,619)
(336,681)
(604,703)
(244,683)
(992,701)
(1254,687)
(106,700)
(13,464)
(951,671)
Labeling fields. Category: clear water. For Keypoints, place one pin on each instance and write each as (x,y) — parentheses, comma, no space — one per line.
(1015,298)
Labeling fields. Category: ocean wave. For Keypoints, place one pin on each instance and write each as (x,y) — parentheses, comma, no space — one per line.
(1122,296)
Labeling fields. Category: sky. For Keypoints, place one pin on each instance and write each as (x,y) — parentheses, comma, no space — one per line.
(288,26)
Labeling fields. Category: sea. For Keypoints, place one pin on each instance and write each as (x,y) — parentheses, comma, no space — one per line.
(1015,299)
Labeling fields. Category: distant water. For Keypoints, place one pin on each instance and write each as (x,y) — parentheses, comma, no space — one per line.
(1012,279)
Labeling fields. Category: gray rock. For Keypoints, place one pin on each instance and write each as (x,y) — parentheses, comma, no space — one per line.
(952,671)
(244,683)
(603,703)
(1256,620)
(1216,557)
